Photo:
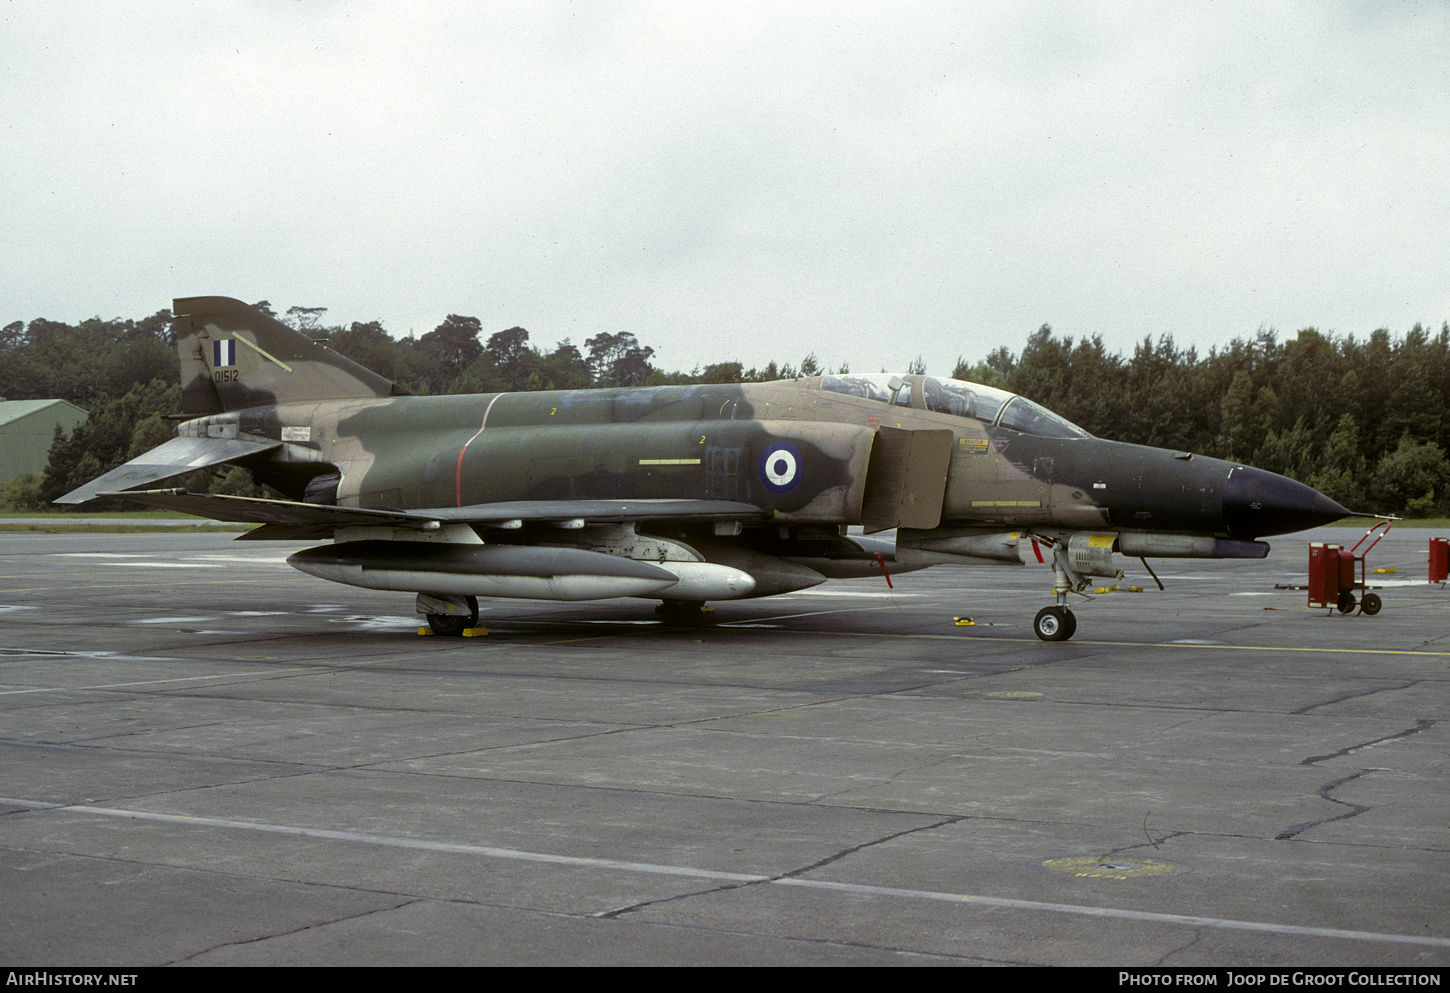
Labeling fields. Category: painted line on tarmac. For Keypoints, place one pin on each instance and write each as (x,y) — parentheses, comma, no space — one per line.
(868,594)
(1348,650)
(769,622)
(965,638)
(72,587)
(281,671)
(271,673)
(651,868)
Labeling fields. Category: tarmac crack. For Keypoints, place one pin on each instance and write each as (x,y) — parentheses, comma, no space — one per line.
(1420,725)
(1161,839)
(792,874)
(1356,696)
(1195,939)
(1323,791)
(297,930)
(878,783)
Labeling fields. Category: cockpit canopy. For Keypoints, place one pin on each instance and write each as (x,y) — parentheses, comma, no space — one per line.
(991,406)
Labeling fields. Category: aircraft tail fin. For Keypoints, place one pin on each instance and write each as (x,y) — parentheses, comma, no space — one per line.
(234,356)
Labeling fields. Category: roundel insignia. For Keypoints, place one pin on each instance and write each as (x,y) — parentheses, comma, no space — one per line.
(780,467)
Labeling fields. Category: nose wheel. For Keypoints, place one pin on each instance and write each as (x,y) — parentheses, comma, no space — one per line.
(1054,624)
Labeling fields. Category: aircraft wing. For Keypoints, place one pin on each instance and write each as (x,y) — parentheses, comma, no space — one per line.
(288,519)
(177,456)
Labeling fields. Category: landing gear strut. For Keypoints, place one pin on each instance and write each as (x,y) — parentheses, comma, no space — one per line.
(1057,623)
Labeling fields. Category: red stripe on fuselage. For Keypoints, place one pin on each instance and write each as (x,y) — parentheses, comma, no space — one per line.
(458,476)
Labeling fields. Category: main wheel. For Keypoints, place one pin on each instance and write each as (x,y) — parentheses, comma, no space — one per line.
(1372,604)
(453,625)
(1346,602)
(1054,624)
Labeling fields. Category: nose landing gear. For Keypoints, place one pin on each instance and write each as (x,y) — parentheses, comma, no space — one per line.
(1058,623)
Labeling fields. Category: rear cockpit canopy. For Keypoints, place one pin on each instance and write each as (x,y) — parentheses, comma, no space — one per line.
(991,406)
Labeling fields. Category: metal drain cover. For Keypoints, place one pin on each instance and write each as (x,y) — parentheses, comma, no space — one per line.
(1109,868)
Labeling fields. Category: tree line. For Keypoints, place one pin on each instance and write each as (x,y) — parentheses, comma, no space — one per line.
(1363,420)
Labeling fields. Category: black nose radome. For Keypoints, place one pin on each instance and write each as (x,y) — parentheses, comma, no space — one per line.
(1258,503)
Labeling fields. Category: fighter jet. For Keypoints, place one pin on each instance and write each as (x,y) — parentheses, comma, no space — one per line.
(685,494)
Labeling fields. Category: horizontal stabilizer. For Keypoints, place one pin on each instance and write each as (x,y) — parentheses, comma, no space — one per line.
(301,520)
(177,456)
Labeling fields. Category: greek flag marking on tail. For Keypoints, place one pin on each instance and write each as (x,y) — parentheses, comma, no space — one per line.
(224,352)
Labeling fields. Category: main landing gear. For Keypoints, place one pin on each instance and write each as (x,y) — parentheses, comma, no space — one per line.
(686,612)
(449,615)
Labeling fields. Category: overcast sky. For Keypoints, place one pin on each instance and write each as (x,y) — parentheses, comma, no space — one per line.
(870,182)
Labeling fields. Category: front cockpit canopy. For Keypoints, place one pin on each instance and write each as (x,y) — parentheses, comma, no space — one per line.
(991,406)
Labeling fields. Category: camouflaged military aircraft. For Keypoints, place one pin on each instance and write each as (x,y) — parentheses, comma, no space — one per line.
(684,494)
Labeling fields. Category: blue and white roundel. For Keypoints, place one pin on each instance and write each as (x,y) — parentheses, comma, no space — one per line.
(780,467)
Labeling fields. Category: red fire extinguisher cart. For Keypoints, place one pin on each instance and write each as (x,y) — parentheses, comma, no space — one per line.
(1336,573)
(1439,560)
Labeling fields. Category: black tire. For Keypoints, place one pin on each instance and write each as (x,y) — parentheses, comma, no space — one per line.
(1371,604)
(686,613)
(453,625)
(1054,624)
(1346,602)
